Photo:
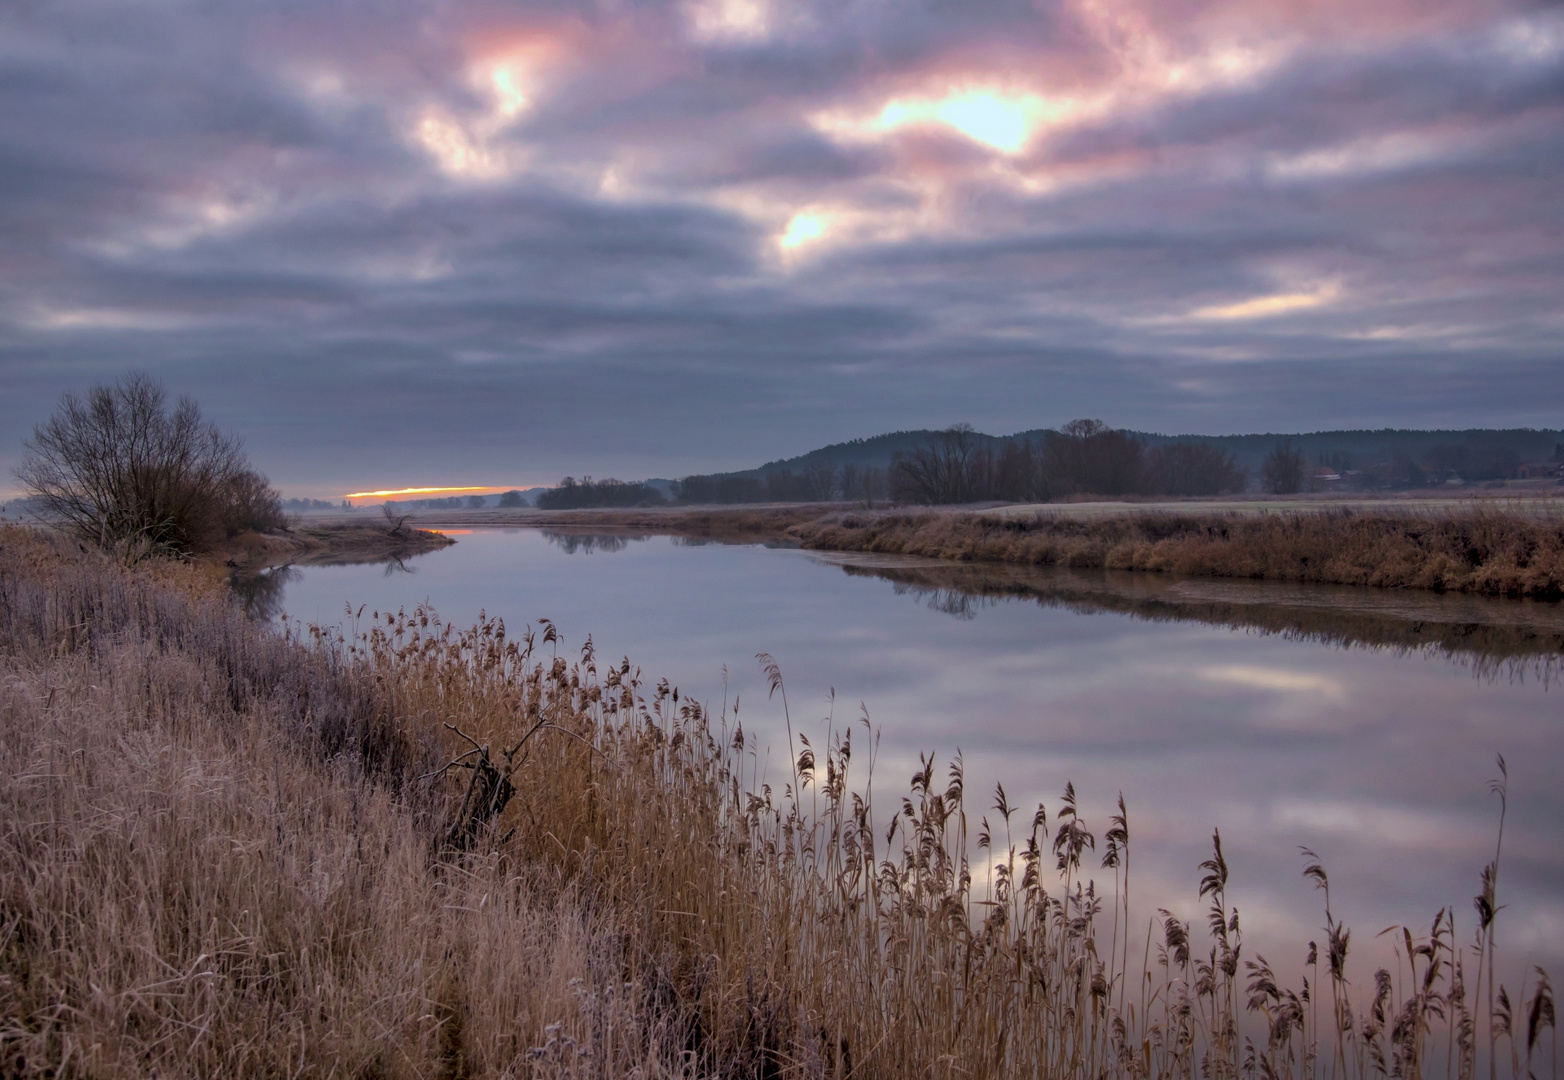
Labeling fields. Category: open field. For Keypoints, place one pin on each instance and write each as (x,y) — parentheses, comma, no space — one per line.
(411,850)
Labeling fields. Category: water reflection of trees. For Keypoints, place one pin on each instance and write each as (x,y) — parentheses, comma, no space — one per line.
(259,595)
(952,602)
(1516,648)
(574,543)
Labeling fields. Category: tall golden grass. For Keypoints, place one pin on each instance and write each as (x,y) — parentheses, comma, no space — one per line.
(401,849)
(1477,550)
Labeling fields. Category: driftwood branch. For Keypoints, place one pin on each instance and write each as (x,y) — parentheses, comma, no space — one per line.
(489,788)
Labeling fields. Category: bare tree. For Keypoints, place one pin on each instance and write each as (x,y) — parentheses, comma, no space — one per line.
(939,470)
(395,520)
(819,482)
(249,503)
(1190,468)
(1087,456)
(123,470)
(1282,470)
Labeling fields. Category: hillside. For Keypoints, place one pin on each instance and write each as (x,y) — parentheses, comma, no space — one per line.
(1473,453)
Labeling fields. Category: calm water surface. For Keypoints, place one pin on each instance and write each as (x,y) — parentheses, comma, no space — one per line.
(1361,725)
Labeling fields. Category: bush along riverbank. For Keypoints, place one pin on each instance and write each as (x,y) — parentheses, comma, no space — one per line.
(403,849)
(1482,551)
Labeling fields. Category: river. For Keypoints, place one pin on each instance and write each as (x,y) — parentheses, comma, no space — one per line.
(1363,725)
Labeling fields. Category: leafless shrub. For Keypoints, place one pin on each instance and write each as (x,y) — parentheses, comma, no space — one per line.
(121,469)
(1282,471)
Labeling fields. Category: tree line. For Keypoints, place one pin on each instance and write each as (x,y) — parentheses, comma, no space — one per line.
(956,465)
(815,483)
(1084,457)
(573,494)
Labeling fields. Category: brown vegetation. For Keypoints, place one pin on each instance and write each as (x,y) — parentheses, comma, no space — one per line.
(325,545)
(1475,550)
(228,852)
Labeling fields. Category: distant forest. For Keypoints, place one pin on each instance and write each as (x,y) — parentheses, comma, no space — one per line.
(1086,457)
(507,500)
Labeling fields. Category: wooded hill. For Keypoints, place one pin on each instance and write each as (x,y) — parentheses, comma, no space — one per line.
(1473,453)
(1086,457)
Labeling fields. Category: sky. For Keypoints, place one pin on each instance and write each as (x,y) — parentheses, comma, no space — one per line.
(449,243)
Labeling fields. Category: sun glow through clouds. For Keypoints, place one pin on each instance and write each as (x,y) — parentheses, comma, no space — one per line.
(804,228)
(411,491)
(507,83)
(453,149)
(986,118)
(1002,122)
(472,145)
(1264,307)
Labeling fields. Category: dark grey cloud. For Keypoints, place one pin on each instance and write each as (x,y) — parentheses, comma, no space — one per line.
(465,242)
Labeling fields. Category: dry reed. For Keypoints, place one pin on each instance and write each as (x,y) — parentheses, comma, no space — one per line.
(226,850)
(1478,550)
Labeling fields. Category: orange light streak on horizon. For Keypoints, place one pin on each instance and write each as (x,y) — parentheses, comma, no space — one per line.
(412,491)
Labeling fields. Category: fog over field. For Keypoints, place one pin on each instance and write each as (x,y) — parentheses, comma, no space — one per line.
(467,243)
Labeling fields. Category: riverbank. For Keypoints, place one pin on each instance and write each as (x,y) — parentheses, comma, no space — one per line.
(325,544)
(1477,550)
(1485,547)
(207,829)
(1484,634)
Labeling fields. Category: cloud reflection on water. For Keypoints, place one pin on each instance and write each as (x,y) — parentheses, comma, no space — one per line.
(1281,716)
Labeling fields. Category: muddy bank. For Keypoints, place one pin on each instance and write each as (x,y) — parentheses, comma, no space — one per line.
(326,545)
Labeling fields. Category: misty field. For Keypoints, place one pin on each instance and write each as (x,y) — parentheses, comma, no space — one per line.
(407,849)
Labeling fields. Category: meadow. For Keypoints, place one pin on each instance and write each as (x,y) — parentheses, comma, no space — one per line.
(411,849)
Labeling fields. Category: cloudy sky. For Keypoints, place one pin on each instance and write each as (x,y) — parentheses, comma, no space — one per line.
(435,242)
